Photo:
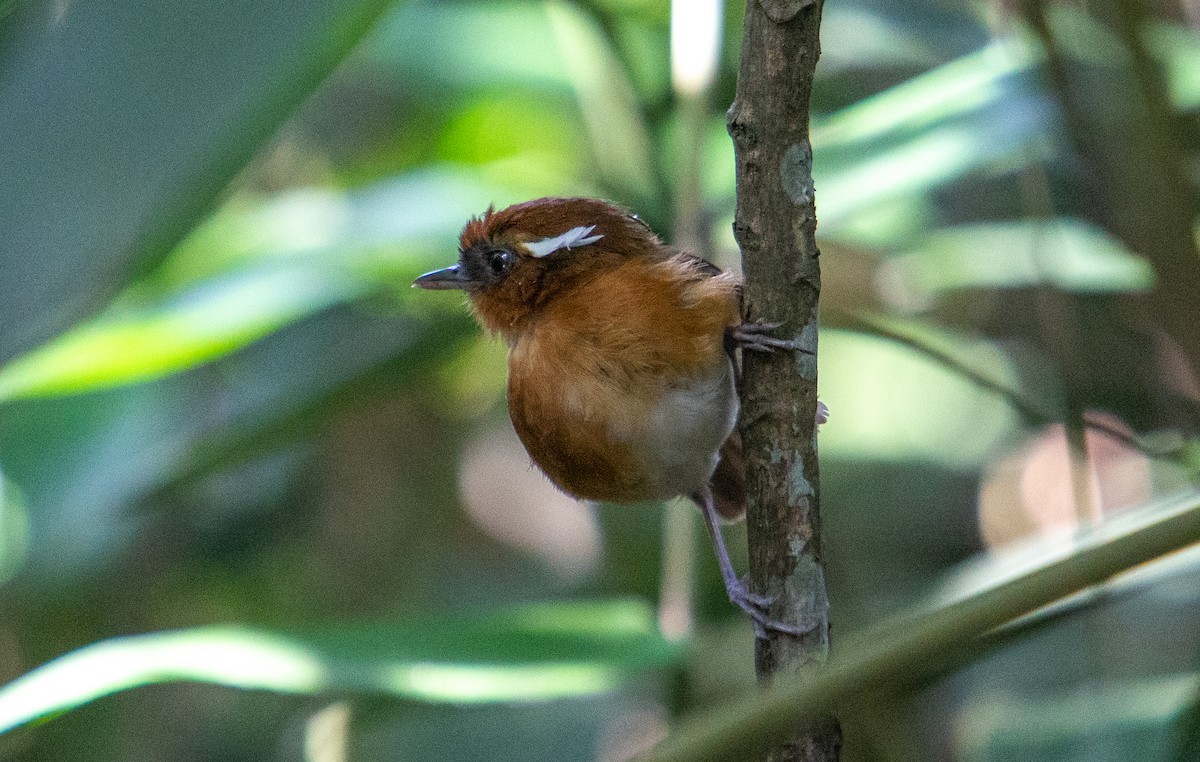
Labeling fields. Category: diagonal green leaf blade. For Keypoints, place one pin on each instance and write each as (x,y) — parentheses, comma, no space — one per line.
(529,653)
(249,271)
(123,119)
(210,324)
(928,641)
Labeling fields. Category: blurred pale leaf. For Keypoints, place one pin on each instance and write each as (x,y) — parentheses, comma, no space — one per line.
(619,138)
(1178,49)
(1102,721)
(925,411)
(1066,254)
(530,653)
(870,34)
(855,36)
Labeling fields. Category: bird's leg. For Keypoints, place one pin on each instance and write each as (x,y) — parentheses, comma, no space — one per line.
(756,336)
(753,604)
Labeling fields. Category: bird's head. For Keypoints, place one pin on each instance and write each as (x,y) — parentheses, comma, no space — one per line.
(513,262)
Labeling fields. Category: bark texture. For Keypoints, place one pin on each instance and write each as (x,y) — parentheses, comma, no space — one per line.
(775,226)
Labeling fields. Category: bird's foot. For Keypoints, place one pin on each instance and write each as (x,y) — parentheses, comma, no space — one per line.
(756,336)
(755,607)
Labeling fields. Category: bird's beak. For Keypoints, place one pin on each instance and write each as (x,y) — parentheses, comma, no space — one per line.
(446,278)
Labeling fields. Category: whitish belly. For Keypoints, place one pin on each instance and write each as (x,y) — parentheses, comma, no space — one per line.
(679,438)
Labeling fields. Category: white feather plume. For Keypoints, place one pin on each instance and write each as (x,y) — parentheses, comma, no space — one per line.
(573,238)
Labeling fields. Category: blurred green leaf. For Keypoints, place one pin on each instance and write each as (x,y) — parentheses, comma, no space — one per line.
(14,530)
(961,117)
(926,412)
(878,158)
(1065,254)
(529,653)
(1178,49)
(1084,36)
(1120,720)
(276,273)
(958,88)
(85,463)
(906,651)
(466,45)
(1186,736)
(471,46)
(195,328)
(123,119)
(644,47)
(251,270)
(519,140)
(362,229)
(619,137)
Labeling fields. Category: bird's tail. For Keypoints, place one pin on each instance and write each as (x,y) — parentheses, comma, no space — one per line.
(729,480)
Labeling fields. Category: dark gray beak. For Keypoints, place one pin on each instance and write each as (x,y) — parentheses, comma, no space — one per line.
(440,280)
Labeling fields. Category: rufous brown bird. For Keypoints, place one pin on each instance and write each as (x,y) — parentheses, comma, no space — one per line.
(620,357)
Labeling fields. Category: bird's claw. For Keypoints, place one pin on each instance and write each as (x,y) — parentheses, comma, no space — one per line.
(755,607)
(756,336)
(822,412)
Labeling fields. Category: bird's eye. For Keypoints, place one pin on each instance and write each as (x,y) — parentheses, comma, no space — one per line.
(499,261)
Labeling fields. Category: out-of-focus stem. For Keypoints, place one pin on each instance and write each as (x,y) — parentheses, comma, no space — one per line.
(692,75)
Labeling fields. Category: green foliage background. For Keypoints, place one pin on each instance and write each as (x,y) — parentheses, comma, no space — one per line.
(231,435)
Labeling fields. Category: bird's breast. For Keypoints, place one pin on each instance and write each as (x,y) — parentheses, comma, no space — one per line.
(623,404)
(598,439)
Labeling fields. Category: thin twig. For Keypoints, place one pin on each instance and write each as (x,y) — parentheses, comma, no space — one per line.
(1033,413)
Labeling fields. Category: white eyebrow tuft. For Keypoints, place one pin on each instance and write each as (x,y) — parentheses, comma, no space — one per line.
(570,239)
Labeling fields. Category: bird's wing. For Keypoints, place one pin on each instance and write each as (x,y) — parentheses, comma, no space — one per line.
(729,480)
(702,264)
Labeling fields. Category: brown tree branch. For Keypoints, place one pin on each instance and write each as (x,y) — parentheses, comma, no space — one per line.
(775,226)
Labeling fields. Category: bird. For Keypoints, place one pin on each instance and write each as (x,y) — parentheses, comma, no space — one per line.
(621,359)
